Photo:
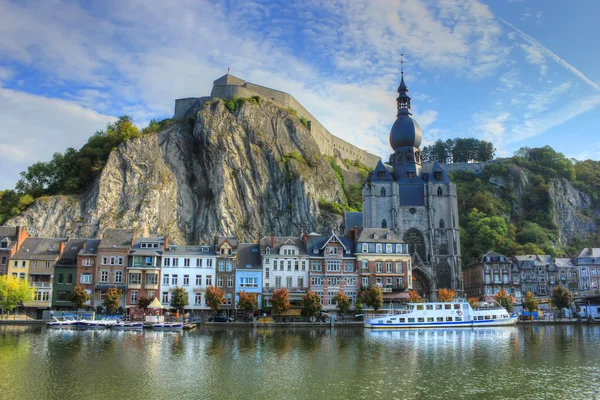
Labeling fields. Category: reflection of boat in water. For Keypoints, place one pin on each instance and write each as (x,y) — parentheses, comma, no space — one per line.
(168,326)
(457,314)
(120,324)
(66,322)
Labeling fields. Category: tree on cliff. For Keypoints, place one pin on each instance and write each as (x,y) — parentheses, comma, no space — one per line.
(505,300)
(179,299)
(214,297)
(343,302)
(112,299)
(311,304)
(79,296)
(248,301)
(14,291)
(280,301)
(446,295)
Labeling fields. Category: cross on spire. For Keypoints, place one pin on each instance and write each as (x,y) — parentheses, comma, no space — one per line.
(402,62)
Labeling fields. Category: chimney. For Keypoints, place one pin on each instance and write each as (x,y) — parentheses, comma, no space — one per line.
(61,248)
(355,233)
(272,240)
(166,243)
(305,238)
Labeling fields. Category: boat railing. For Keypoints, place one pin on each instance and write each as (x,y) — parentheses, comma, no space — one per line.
(487,308)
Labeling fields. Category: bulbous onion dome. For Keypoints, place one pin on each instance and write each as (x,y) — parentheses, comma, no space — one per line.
(405,132)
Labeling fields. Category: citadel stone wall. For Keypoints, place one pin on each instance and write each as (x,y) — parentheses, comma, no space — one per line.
(476,168)
(228,86)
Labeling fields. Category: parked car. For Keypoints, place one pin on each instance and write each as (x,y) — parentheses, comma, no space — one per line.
(220,318)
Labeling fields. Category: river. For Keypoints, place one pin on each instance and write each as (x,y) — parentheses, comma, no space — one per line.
(527,362)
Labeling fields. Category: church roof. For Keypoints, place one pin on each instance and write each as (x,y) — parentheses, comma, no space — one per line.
(433,177)
(380,174)
(405,132)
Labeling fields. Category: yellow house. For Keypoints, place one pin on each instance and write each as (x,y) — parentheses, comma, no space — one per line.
(18,266)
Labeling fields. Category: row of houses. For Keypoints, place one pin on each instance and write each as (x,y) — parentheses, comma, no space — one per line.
(538,274)
(153,266)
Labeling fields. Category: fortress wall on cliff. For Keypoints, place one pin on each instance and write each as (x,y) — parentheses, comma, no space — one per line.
(476,167)
(328,144)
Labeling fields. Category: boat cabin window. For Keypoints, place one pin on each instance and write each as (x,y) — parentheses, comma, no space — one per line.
(380,321)
(458,318)
(448,319)
(438,306)
(487,317)
(389,321)
(411,320)
(429,307)
(421,319)
(480,318)
(420,307)
(447,306)
(440,319)
(429,319)
(493,317)
(457,306)
(402,320)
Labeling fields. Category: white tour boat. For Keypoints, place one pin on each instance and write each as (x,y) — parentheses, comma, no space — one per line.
(442,315)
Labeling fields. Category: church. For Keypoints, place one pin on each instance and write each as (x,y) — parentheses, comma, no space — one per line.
(419,206)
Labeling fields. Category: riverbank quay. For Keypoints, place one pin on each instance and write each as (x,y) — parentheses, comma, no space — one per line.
(352,324)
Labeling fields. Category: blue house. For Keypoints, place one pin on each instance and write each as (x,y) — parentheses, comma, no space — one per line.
(248,274)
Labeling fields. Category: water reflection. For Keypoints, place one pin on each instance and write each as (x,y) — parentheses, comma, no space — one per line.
(300,363)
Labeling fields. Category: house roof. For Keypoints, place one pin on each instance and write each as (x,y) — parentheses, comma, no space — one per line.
(367,235)
(249,256)
(495,257)
(589,252)
(279,241)
(321,241)
(10,233)
(219,240)
(564,262)
(536,260)
(138,250)
(49,249)
(73,247)
(27,249)
(353,219)
(91,247)
(117,238)
(189,250)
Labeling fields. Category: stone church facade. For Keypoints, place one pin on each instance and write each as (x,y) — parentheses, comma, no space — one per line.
(420,207)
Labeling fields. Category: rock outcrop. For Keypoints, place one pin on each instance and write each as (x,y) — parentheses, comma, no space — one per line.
(248,173)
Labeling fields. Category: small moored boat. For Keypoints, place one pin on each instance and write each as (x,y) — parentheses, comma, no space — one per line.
(66,322)
(442,315)
(168,326)
(120,324)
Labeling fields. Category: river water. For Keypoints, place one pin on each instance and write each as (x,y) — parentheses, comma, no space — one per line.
(546,362)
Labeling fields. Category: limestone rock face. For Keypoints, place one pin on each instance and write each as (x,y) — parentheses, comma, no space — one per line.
(569,203)
(248,173)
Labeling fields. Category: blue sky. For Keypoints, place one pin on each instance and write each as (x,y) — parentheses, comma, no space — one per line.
(517,73)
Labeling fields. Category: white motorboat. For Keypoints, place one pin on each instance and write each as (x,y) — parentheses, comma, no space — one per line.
(96,324)
(120,324)
(442,315)
(66,322)
(168,326)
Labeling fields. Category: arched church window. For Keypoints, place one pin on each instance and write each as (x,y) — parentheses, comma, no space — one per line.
(399,156)
(440,191)
(382,192)
(417,156)
(384,224)
(441,224)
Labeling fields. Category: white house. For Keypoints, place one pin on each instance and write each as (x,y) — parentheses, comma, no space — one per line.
(189,267)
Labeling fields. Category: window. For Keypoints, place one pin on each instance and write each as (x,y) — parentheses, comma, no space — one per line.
(198,299)
(267,273)
(186,262)
(165,297)
(348,266)
(166,262)
(365,281)
(219,281)
(229,265)
(104,276)
(439,191)
(349,281)
(267,261)
(134,297)
(166,279)
(47,264)
(365,248)
(118,276)
(209,263)
(198,262)
(277,282)
(151,279)
(296,265)
(229,297)
(384,224)
(378,281)
(174,279)
(316,281)
(382,192)
(186,280)
(316,266)
(399,269)
(61,278)
(230,281)
(69,279)
(303,265)
(289,265)
(334,281)
(42,296)
(175,262)
(388,281)
(447,306)
(378,248)
(249,282)
(288,282)
(300,283)
(34,264)
(388,248)
(388,267)
(208,280)
(441,224)
(221,265)
(448,319)
(87,262)
(333,265)
(378,267)
(333,251)
(198,280)
(365,264)
(398,249)
(120,260)
(135,278)
(102,294)
(399,282)
(86,279)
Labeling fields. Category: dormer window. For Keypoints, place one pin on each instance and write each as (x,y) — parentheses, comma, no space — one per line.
(409,156)
(387,236)
(381,174)
(315,250)
(375,236)
(365,248)
(437,175)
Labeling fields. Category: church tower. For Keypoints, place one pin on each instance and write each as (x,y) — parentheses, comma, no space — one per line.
(419,203)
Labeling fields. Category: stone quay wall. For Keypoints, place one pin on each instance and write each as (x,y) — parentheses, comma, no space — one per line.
(328,144)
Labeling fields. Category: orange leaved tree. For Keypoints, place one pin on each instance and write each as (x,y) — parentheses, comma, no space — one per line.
(446,295)
(415,297)
(474,302)
(214,297)
(280,301)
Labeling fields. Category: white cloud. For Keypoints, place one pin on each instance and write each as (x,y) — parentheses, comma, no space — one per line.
(35,127)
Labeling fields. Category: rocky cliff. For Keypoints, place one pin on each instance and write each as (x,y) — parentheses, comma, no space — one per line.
(248,172)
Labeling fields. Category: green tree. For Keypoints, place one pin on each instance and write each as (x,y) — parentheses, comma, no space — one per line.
(530,303)
(358,306)
(179,299)
(13,292)
(343,302)
(311,304)
(144,302)
(373,297)
(79,296)
(214,297)
(561,298)
(112,299)
(248,301)
(505,300)
(280,301)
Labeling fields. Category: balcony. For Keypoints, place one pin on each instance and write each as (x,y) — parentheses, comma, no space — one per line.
(134,286)
(150,286)
(41,285)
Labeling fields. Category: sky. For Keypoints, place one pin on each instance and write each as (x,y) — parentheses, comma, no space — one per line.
(516,72)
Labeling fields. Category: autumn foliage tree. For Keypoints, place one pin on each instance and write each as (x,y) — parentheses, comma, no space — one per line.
(311,304)
(144,302)
(505,300)
(474,302)
(112,299)
(248,301)
(561,297)
(415,297)
(79,297)
(446,295)
(530,303)
(373,297)
(214,297)
(280,301)
(343,302)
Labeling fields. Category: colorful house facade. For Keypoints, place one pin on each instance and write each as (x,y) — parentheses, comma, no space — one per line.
(249,272)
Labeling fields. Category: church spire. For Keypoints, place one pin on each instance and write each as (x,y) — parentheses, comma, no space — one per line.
(403,99)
